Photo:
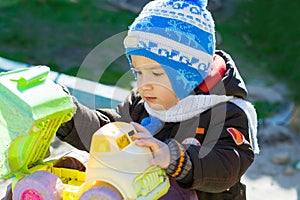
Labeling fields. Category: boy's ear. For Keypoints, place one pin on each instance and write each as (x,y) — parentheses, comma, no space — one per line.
(215,74)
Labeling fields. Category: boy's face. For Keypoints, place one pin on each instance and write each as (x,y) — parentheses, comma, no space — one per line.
(153,83)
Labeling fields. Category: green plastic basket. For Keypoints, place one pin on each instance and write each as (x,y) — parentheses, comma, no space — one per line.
(32,107)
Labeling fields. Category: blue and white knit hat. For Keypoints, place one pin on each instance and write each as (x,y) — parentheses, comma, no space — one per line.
(179,35)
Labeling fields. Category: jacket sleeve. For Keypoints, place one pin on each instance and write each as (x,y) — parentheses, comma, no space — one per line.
(79,130)
(220,161)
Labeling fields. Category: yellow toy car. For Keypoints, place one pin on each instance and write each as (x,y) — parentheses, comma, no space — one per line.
(121,167)
(32,109)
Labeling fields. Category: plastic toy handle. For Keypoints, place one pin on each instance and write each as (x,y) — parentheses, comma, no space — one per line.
(33,76)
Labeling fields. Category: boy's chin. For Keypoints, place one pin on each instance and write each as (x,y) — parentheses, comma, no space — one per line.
(157,107)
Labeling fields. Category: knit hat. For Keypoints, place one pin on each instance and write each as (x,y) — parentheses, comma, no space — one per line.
(179,35)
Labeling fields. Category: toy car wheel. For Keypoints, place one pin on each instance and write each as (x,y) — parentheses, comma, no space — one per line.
(40,185)
(101,192)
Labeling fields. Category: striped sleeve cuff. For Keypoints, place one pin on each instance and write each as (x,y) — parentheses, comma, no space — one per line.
(180,163)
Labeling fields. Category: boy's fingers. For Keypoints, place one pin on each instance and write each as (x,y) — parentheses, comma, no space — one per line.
(148,143)
(138,127)
(142,132)
(140,135)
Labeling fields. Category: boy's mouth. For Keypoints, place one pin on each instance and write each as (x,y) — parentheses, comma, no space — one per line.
(150,99)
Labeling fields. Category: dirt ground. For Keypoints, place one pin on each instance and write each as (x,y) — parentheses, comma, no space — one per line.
(266,180)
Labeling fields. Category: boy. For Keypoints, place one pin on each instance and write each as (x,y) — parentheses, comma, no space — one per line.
(208,137)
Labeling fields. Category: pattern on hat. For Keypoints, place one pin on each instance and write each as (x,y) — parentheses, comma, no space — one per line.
(179,35)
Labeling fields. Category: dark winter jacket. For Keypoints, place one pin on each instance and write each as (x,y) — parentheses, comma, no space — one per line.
(219,157)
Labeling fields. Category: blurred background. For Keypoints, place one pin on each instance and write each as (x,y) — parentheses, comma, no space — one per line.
(262,36)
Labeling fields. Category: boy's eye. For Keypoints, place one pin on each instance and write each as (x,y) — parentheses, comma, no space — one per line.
(157,73)
(135,73)
(138,73)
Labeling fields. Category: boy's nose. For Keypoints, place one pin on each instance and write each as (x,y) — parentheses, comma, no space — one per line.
(145,83)
(145,86)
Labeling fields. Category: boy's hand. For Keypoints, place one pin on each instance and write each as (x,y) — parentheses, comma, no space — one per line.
(160,150)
